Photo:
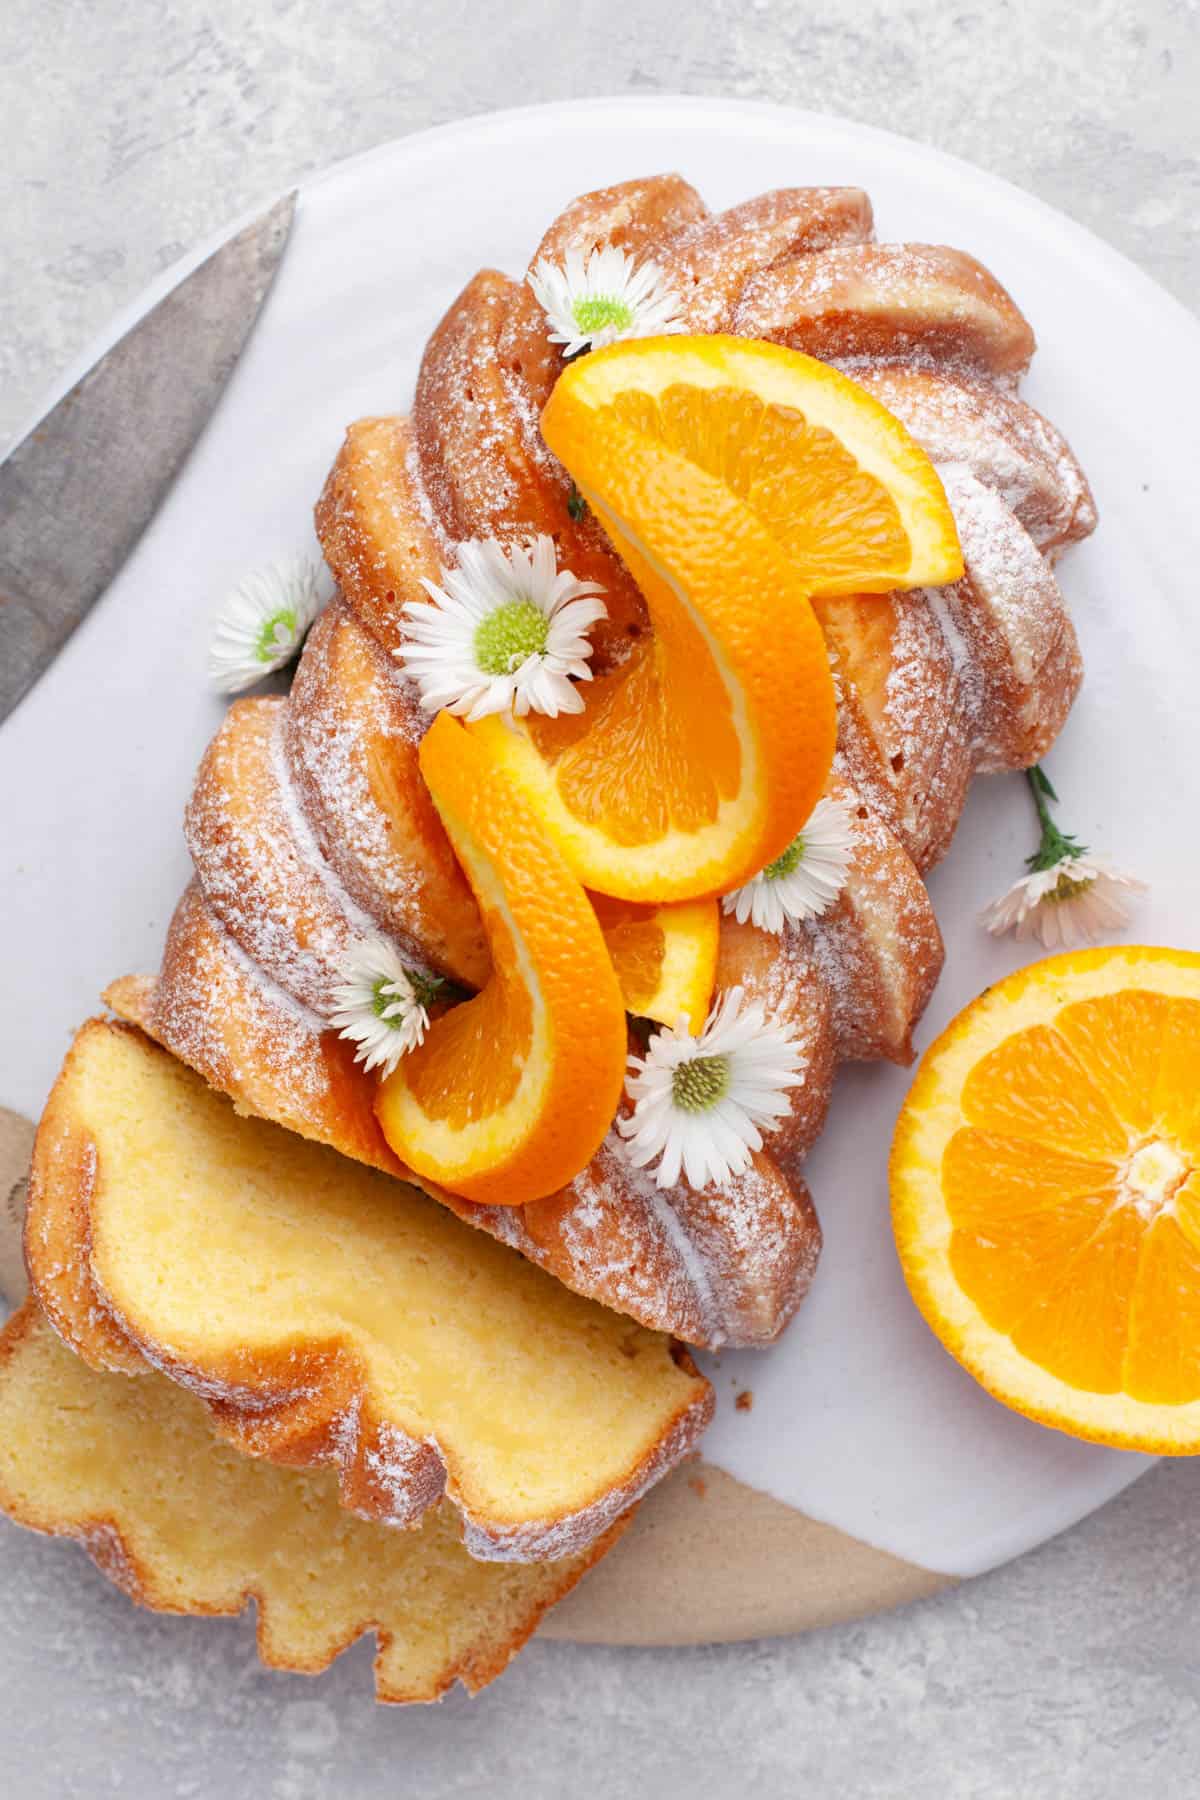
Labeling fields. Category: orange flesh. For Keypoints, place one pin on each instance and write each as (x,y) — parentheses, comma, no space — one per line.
(838,522)
(637,953)
(637,944)
(472,1064)
(632,760)
(1074,1194)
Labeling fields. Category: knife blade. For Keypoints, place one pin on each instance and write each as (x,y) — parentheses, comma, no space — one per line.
(79,490)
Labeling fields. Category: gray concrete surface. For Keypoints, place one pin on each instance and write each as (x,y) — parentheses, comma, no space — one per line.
(128,128)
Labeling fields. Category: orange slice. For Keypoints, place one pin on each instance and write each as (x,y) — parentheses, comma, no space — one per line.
(734,479)
(511,1093)
(834,477)
(665,956)
(1046,1194)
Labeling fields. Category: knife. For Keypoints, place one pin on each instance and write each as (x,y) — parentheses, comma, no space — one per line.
(77,493)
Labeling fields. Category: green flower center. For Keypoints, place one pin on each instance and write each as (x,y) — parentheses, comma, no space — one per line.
(696,1086)
(1068,888)
(595,312)
(383,995)
(786,864)
(503,640)
(425,989)
(275,635)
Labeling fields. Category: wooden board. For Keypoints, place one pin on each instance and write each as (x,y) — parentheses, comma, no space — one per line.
(710,1560)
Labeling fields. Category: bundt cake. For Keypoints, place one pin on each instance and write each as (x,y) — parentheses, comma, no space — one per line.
(309,825)
(184,1524)
(328,1315)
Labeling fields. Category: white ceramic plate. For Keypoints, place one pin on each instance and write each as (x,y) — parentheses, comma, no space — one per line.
(859,1418)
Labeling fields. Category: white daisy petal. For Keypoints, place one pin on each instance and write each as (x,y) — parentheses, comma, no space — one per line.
(378,1004)
(805,881)
(695,1157)
(595,300)
(263,622)
(506,633)
(733,1132)
(671,1162)
(1077,900)
(707,1123)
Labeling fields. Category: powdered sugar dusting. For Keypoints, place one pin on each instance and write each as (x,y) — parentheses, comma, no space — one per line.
(330,738)
(357,919)
(406,1475)
(426,510)
(325,743)
(207,979)
(709,263)
(955,679)
(719,1266)
(924,305)
(259,864)
(1007,446)
(879,948)
(661,1209)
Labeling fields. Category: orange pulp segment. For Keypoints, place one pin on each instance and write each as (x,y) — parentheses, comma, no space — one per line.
(511,1093)
(1046,1194)
(665,956)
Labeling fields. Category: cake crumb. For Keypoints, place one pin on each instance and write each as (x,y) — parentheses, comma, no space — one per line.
(698,1486)
(745,1400)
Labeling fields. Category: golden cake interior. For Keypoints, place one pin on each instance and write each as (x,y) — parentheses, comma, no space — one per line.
(338,1314)
(133,1471)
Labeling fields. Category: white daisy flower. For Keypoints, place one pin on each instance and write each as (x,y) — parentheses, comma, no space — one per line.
(806,880)
(1069,897)
(701,1103)
(262,623)
(593,300)
(381,1005)
(1079,899)
(507,632)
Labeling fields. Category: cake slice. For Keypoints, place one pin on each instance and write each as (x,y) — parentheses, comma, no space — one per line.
(330,1314)
(133,1471)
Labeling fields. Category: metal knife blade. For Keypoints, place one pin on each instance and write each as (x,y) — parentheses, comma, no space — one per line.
(77,493)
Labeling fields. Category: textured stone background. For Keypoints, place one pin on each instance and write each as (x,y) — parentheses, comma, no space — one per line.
(129,128)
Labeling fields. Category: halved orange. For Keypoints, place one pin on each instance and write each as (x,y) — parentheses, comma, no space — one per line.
(735,479)
(1046,1194)
(511,1093)
(665,956)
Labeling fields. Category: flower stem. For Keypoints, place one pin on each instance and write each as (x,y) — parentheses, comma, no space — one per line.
(1040,788)
(1056,846)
